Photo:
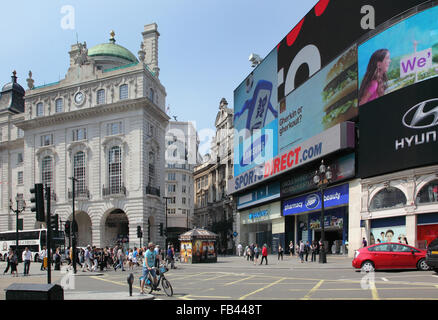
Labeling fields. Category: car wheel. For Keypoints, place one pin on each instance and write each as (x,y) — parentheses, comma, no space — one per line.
(422,265)
(367,266)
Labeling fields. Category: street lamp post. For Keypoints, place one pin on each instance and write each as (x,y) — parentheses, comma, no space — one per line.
(165,199)
(321,179)
(73,225)
(19,210)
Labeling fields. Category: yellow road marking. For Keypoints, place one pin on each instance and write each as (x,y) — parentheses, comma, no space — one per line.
(313,290)
(373,289)
(221,276)
(234,282)
(261,289)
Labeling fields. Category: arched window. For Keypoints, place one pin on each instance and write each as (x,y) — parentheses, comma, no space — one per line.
(152,169)
(123,91)
(79,172)
(429,193)
(47,172)
(115,170)
(59,107)
(100,96)
(388,198)
(39,109)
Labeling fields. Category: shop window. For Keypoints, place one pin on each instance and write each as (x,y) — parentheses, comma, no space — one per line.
(388,198)
(429,193)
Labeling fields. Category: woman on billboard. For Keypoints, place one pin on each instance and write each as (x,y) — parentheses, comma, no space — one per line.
(375,80)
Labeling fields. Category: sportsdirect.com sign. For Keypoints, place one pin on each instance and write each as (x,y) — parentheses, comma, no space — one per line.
(336,138)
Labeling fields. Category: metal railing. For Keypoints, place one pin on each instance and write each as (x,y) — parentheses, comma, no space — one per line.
(114,190)
(79,193)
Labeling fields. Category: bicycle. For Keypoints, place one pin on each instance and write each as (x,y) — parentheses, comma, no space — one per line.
(167,287)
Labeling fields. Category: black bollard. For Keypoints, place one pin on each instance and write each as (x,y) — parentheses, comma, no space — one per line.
(130,281)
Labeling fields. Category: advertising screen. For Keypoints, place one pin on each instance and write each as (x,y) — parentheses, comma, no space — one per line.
(399,130)
(402,55)
(328,98)
(256,117)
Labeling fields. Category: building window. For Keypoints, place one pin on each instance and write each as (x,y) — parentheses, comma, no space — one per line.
(183,189)
(100,96)
(171,188)
(79,134)
(172,200)
(20,177)
(171,176)
(47,140)
(429,193)
(19,158)
(20,133)
(184,176)
(151,168)
(39,109)
(388,198)
(47,171)
(114,128)
(59,107)
(115,170)
(151,94)
(183,200)
(79,171)
(123,91)
(171,211)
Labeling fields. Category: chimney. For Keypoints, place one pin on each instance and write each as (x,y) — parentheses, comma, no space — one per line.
(150,41)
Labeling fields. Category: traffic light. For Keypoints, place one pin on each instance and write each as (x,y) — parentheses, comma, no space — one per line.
(38,198)
(161,229)
(54,222)
(139,233)
(67,227)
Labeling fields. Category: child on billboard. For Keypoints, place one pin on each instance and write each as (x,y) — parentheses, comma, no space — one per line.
(375,80)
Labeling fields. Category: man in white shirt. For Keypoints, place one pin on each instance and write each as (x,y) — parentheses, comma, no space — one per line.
(43,254)
(27,256)
(239,249)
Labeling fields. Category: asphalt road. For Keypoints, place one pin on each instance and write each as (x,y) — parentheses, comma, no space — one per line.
(234,278)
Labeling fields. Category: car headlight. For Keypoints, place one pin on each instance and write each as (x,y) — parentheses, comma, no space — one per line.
(356,254)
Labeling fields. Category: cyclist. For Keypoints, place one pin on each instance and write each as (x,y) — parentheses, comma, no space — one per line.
(148,265)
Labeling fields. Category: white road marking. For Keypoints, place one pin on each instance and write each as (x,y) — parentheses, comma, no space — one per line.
(384,279)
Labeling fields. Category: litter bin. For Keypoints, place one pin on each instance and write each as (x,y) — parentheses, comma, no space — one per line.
(33,291)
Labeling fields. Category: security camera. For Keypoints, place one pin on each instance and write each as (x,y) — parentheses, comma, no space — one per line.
(255,59)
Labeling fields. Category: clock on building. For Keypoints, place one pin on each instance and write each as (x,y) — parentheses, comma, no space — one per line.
(79,98)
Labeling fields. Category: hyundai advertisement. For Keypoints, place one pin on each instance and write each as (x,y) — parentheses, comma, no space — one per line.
(256,117)
(404,54)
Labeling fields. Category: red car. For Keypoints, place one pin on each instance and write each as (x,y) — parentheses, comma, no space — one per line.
(389,256)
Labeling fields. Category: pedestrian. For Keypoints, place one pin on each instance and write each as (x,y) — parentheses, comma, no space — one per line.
(301,251)
(314,249)
(170,257)
(248,253)
(264,254)
(239,250)
(120,259)
(87,259)
(8,263)
(43,257)
(364,242)
(280,252)
(291,248)
(27,257)
(307,249)
(13,260)
(405,240)
(57,259)
(256,254)
(297,250)
(252,252)
(157,256)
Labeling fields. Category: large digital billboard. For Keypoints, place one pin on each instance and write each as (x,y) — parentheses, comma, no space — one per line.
(326,99)
(402,55)
(399,130)
(256,117)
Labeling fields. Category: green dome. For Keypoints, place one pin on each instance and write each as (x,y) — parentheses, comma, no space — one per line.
(113,50)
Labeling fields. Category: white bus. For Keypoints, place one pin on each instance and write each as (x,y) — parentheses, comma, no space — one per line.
(34,239)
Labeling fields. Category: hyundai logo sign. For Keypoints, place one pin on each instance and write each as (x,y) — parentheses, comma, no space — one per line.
(423,115)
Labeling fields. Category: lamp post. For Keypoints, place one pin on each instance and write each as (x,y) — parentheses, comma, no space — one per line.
(165,199)
(73,225)
(322,178)
(21,205)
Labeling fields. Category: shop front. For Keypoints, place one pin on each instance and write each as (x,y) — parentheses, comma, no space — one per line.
(263,225)
(306,210)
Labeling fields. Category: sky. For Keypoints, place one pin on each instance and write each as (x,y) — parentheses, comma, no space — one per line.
(204,45)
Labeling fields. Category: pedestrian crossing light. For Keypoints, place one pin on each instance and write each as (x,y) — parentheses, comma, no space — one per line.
(139,232)
(67,227)
(38,198)
(54,222)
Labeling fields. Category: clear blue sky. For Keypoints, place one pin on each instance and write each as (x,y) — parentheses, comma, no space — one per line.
(203,48)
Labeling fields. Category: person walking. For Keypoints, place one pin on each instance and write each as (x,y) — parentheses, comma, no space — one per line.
(280,252)
(13,260)
(247,253)
(256,254)
(120,259)
(239,250)
(301,251)
(8,262)
(87,259)
(57,259)
(27,257)
(291,248)
(365,243)
(157,256)
(314,249)
(43,256)
(264,254)
(307,249)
